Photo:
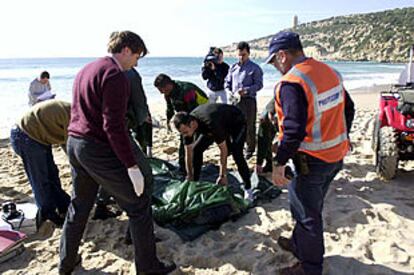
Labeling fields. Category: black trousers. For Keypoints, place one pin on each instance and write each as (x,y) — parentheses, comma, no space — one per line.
(265,136)
(93,165)
(235,144)
(249,108)
(143,135)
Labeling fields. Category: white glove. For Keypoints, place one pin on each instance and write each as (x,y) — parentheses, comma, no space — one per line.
(137,179)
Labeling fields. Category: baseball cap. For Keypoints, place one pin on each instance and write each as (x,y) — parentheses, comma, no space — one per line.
(282,41)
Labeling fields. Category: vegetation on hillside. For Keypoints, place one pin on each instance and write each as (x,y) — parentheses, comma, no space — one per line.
(382,36)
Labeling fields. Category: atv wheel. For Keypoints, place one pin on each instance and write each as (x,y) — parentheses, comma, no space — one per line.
(387,153)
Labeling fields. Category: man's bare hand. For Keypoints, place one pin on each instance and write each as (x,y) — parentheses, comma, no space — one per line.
(278,176)
(222,180)
(242,92)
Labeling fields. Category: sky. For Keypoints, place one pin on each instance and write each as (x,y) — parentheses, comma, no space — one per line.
(81,28)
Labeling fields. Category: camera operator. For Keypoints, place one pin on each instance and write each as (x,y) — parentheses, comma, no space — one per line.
(215,71)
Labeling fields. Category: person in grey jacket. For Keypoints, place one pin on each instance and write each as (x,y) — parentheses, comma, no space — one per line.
(40,89)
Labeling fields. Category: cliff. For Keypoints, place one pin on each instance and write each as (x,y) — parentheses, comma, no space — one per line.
(381,36)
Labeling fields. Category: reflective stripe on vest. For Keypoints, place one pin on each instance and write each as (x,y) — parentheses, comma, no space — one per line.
(322,102)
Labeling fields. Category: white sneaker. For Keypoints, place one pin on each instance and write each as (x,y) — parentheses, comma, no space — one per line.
(249,195)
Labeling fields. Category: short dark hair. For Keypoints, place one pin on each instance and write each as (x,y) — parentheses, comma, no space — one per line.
(243,45)
(44,74)
(182,118)
(217,51)
(120,40)
(162,80)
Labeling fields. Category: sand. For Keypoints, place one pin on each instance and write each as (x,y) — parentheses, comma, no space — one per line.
(369,223)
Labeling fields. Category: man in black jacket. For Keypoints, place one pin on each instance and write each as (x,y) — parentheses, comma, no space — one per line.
(215,71)
(222,124)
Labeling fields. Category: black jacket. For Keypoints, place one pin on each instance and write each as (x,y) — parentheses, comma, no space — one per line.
(215,78)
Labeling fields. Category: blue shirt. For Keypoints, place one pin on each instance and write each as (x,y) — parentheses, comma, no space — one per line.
(247,76)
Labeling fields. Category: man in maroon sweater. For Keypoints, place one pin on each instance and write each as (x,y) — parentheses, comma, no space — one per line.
(101,153)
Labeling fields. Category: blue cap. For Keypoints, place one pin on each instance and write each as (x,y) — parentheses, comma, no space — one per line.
(282,41)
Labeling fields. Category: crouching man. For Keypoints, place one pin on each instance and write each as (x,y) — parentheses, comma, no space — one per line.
(219,123)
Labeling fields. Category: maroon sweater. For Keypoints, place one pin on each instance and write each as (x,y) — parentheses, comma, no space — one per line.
(100,96)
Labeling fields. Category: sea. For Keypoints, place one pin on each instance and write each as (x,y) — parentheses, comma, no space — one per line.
(16,75)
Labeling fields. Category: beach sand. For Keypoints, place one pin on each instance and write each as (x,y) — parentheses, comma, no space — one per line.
(369,223)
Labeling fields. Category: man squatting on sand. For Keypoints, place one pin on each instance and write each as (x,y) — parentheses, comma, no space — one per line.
(220,123)
(101,153)
(315,114)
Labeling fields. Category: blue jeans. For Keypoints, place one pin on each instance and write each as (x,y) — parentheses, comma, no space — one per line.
(306,197)
(42,172)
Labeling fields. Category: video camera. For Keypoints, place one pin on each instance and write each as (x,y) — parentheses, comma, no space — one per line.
(211,57)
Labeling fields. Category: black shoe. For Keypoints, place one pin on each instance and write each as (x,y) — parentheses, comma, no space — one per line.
(57,220)
(295,269)
(77,262)
(53,217)
(102,212)
(286,244)
(39,219)
(162,270)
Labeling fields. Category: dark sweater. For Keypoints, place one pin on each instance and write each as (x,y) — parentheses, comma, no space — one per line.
(100,95)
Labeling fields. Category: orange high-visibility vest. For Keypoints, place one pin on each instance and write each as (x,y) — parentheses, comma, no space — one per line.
(326,133)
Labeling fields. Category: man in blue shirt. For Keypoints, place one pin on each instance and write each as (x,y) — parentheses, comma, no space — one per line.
(244,80)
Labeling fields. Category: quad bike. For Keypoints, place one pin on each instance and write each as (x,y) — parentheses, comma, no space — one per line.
(393,135)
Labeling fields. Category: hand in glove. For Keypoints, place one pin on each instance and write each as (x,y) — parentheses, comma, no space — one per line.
(137,179)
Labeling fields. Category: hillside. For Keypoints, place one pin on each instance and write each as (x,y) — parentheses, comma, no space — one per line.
(382,36)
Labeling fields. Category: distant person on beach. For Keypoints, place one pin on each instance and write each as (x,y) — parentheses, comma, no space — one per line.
(215,70)
(101,153)
(179,96)
(220,123)
(40,89)
(244,80)
(315,114)
(32,138)
(138,114)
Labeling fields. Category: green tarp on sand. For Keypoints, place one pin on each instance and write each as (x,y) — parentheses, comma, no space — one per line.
(190,208)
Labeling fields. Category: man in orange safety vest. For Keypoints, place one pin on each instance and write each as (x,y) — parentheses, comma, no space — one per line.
(315,114)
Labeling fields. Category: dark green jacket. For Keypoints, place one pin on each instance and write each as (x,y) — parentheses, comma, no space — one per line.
(185,96)
(138,109)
